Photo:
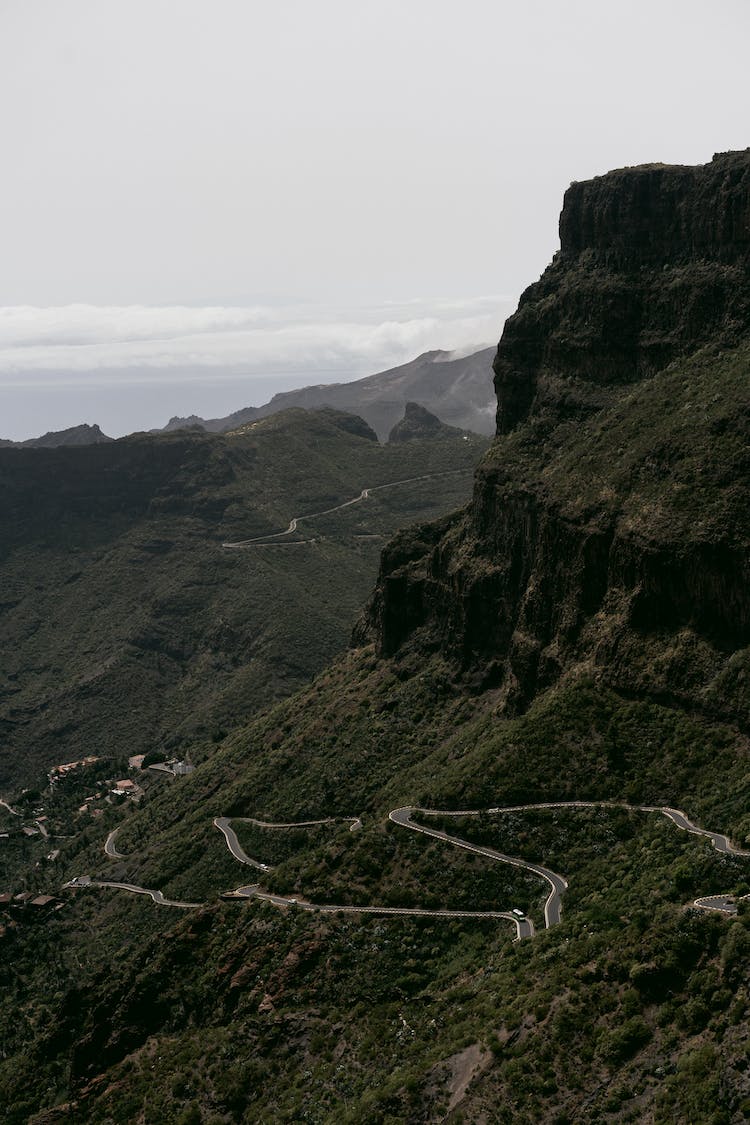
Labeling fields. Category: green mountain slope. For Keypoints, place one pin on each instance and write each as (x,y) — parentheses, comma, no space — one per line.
(359,1018)
(578,634)
(116,586)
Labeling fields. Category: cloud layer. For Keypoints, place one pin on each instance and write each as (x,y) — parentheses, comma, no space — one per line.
(80,344)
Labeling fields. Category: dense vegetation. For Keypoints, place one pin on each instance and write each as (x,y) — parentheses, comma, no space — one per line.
(115,586)
(580,632)
(620,1007)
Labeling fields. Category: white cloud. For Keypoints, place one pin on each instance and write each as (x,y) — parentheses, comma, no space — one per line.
(81,344)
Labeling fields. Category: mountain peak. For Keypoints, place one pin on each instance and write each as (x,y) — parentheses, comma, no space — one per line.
(418,423)
(74,435)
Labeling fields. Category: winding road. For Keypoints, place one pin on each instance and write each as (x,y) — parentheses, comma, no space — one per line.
(109,845)
(235,847)
(13,812)
(157,896)
(263,540)
(524,926)
(553,905)
(720,842)
(558,884)
(403,817)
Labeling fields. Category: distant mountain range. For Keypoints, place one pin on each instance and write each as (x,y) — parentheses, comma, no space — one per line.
(568,656)
(75,435)
(458,390)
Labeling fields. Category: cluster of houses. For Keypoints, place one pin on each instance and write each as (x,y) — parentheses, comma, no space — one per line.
(67,767)
(26,906)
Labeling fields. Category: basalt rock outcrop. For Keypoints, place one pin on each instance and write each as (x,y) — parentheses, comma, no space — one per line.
(418,424)
(610,522)
(653,263)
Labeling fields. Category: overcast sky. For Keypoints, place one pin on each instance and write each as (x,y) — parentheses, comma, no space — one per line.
(205,199)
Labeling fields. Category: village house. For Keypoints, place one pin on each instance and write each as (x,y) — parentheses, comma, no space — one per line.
(125,788)
(42,901)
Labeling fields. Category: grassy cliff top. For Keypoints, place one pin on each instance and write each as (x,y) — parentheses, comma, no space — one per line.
(668,457)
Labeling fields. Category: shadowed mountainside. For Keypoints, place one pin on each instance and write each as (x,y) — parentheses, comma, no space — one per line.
(115,586)
(610,521)
(578,633)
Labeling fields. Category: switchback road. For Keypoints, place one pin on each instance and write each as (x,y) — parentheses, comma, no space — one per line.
(524,926)
(109,846)
(553,905)
(557,883)
(403,817)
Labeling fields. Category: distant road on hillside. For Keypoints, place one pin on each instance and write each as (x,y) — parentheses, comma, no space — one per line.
(260,540)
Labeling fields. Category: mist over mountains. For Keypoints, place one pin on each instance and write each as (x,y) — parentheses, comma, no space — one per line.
(457,389)
(131,367)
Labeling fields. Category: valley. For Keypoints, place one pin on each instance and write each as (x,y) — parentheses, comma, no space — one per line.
(541,681)
(115,583)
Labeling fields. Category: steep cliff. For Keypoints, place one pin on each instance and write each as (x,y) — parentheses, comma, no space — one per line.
(610,521)
(604,556)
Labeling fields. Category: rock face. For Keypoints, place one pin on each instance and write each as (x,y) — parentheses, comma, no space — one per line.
(418,423)
(659,214)
(610,523)
(653,263)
